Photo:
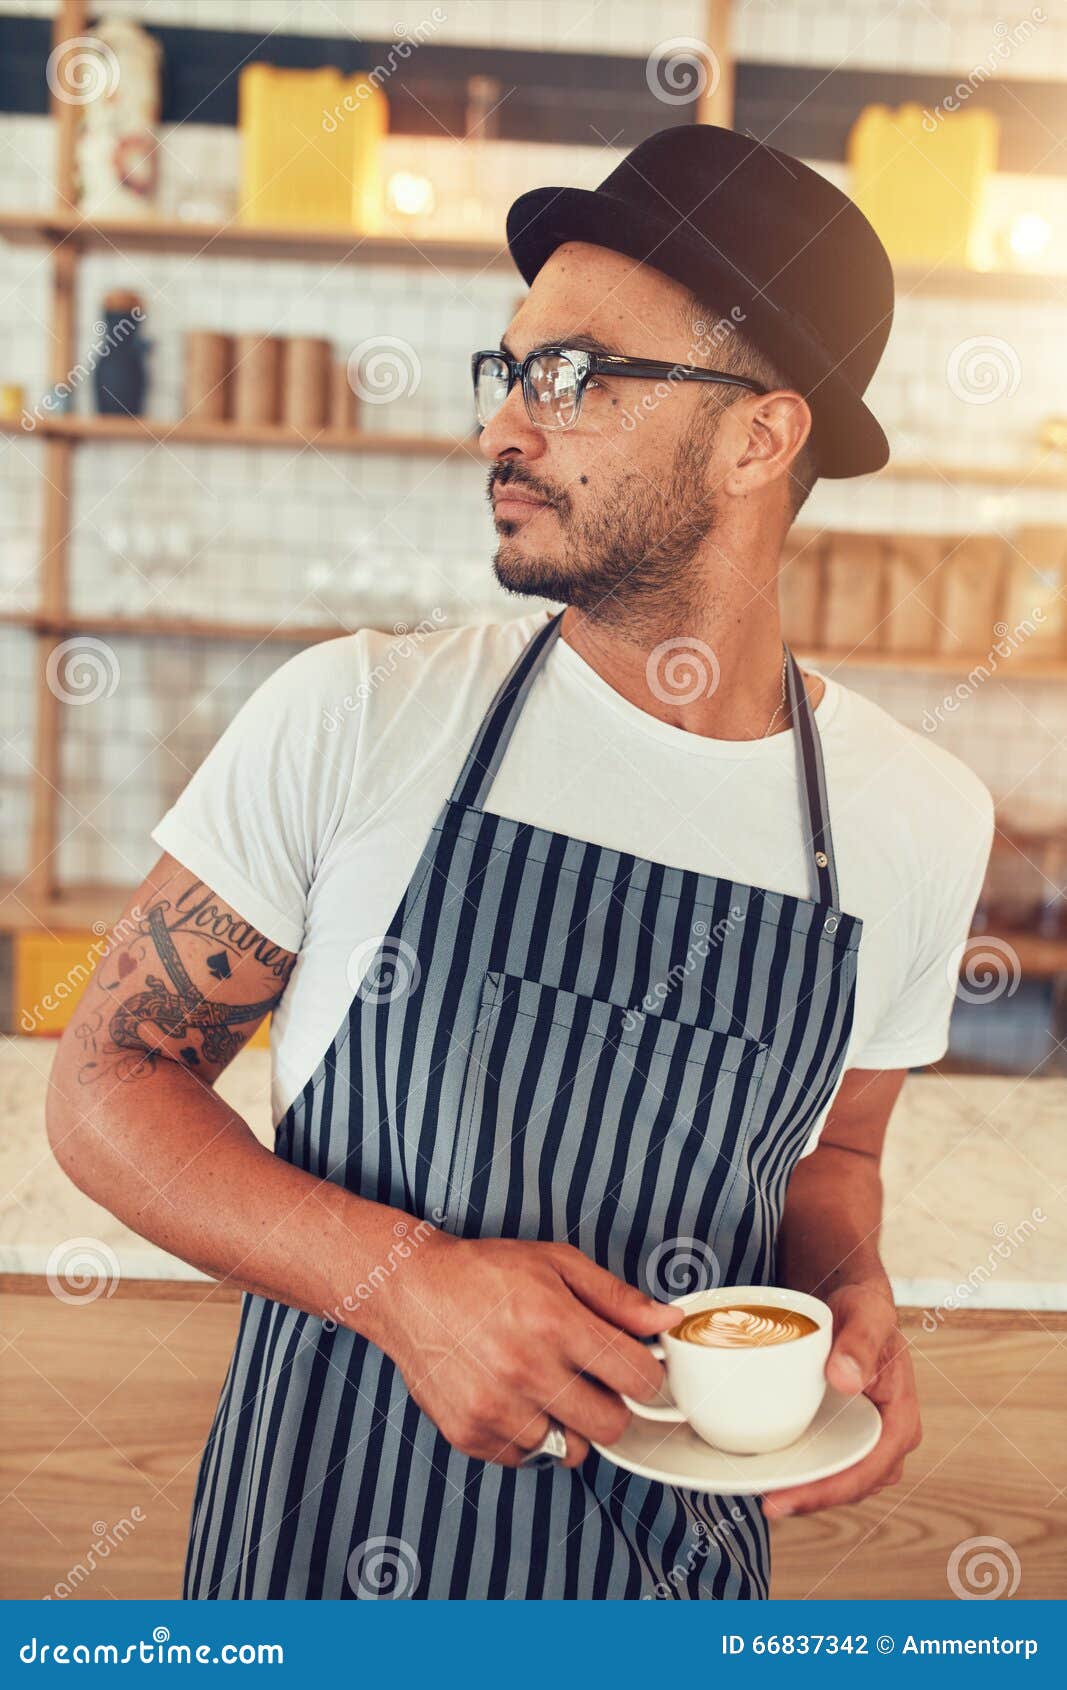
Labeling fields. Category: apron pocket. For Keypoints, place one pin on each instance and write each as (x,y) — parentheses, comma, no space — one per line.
(583,1121)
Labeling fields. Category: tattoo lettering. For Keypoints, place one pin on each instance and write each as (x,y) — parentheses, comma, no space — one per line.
(174,1006)
(197,912)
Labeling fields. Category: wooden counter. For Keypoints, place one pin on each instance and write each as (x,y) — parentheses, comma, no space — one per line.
(106,1405)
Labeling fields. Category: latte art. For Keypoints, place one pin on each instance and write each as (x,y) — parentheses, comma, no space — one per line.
(747,1326)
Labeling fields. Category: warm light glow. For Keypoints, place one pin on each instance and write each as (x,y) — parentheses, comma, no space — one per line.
(1029,235)
(410,195)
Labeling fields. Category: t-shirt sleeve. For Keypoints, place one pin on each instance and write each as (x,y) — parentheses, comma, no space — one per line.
(915,1030)
(256,815)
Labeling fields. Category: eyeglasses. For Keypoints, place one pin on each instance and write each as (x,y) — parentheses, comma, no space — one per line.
(554,380)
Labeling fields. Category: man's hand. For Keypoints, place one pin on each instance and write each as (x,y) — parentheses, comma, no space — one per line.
(496,1337)
(869,1354)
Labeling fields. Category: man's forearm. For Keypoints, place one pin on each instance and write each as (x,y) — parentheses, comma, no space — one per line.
(167,1156)
(830,1226)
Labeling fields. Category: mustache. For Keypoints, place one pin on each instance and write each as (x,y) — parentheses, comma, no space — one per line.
(513,475)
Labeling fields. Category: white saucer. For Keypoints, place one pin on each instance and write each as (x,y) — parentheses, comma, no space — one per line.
(842,1433)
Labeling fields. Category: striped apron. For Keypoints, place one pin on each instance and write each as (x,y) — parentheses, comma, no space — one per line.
(558,1041)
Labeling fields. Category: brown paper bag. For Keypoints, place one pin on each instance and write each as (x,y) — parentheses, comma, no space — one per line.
(208,362)
(1035,610)
(800,589)
(855,592)
(306,383)
(343,406)
(972,594)
(256,379)
(913,593)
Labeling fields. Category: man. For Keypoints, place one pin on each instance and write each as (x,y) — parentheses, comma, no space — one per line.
(636,1006)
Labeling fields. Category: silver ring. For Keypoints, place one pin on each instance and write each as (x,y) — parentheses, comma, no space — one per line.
(553,1447)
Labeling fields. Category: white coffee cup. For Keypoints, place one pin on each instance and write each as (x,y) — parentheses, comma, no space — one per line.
(745,1401)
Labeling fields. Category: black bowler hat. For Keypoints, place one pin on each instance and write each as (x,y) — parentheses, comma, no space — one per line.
(742,224)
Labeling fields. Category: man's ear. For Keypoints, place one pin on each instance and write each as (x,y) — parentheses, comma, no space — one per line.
(777,426)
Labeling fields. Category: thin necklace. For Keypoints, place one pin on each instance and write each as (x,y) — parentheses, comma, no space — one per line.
(780,706)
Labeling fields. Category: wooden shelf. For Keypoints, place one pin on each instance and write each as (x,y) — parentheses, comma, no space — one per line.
(72,910)
(1045,475)
(1049,473)
(233,240)
(63,236)
(951,282)
(1039,958)
(156,429)
(312,633)
(935,663)
(174,628)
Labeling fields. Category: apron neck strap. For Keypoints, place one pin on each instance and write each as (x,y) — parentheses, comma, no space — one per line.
(818,841)
(491,742)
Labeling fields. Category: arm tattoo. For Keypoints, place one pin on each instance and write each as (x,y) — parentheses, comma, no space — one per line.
(175,1006)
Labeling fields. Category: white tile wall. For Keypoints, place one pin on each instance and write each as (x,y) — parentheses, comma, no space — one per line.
(20,500)
(932,36)
(602,26)
(128,754)
(307,536)
(1014,734)
(16,748)
(953,36)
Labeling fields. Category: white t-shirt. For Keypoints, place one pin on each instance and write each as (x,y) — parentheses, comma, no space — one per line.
(310,813)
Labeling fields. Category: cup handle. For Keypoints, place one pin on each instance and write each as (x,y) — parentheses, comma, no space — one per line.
(669,1412)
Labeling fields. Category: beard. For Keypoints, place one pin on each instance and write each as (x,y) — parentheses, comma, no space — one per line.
(631,560)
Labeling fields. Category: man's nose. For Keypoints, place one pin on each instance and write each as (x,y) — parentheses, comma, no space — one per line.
(510,433)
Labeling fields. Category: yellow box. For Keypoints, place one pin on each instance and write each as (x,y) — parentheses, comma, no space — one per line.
(310,142)
(919,175)
(50,974)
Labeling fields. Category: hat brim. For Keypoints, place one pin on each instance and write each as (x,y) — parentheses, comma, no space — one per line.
(846,436)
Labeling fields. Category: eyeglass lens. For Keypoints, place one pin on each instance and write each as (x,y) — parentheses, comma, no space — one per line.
(490,388)
(551,392)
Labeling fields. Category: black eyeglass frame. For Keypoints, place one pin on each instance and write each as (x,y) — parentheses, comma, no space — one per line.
(587,364)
